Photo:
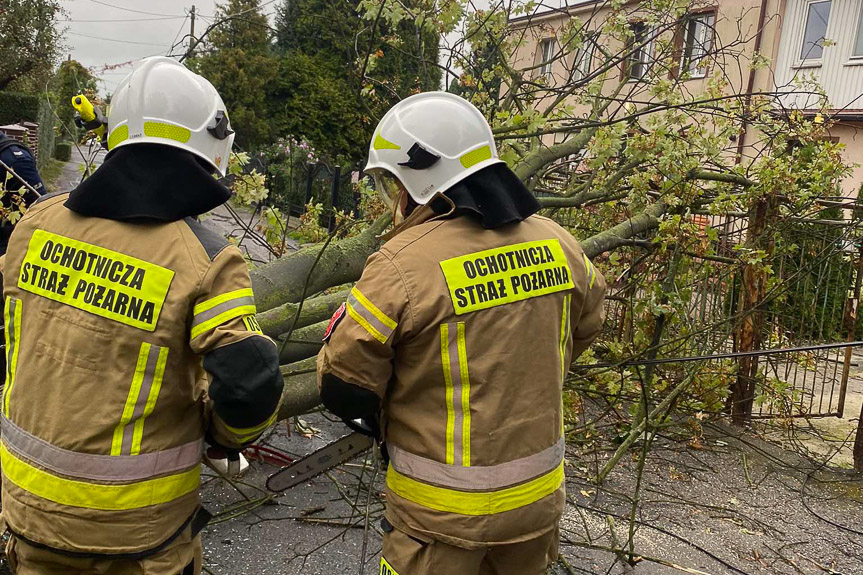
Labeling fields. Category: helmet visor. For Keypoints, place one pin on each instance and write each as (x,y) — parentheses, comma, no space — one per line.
(388,187)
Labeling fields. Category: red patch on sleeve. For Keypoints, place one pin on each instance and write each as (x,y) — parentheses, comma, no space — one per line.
(334,321)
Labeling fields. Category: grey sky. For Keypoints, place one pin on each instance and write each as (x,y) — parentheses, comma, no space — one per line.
(110,32)
(104,33)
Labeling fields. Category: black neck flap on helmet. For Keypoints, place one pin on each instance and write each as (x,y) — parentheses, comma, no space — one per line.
(494,195)
(148,182)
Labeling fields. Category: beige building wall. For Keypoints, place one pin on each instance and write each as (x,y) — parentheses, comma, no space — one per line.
(737,25)
(850,134)
(838,69)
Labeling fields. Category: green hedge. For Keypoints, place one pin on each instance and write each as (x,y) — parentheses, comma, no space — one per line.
(63,151)
(16,106)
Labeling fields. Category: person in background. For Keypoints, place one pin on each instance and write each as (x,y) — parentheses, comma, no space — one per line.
(22,179)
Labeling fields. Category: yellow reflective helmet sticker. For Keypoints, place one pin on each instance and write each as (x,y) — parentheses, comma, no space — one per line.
(505,275)
(95,279)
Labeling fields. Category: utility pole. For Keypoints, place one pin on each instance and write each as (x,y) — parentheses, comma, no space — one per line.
(192,41)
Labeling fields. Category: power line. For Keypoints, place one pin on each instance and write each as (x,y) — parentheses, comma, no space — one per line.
(114,39)
(162,18)
(193,41)
(133,10)
(177,35)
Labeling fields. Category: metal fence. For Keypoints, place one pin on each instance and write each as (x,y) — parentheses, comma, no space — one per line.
(811,299)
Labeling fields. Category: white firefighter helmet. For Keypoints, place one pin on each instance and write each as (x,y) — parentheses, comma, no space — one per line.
(429,142)
(163,102)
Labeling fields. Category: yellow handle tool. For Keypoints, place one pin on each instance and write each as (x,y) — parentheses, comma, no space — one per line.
(84,107)
(91,116)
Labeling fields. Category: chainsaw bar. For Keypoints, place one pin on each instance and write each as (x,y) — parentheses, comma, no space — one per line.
(327,457)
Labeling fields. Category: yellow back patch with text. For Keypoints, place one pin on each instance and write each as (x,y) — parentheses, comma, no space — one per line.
(505,275)
(95,279)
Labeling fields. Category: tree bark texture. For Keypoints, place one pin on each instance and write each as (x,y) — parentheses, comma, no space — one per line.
(278,320)
(305,342)
(750,332)
(285,279)
(300,394)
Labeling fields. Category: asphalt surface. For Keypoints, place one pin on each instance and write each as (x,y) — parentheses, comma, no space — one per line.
(701,509)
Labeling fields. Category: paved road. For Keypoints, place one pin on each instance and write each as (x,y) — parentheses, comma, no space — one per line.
(752,517)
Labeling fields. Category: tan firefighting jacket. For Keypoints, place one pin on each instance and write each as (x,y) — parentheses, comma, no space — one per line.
(466,334)
(104,413)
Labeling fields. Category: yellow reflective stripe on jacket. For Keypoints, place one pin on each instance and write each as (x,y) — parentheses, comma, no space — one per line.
(221,309)
(565,326)
(465,396)
(96,280)
(244,434)
(141,400)
(471,502)
(505,275)
(152,396)
(478,477)
(13,344)
(448,387)
(112,497)
(591,271)
(98,467)
(457,388)
(364,312)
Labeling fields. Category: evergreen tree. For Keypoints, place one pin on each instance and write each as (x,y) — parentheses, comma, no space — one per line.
(339,72)
(29,43)
(238,60)
(71,79)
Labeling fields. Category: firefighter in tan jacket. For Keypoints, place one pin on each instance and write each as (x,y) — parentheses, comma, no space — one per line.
(459,336)
(116,300)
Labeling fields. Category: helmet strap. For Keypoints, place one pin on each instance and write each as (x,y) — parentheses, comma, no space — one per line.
(397,213)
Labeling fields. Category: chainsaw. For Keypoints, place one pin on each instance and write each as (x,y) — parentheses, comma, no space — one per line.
(340,451)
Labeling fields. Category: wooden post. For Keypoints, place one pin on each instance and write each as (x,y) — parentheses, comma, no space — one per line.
(858,445)
(850,324)
(310,180)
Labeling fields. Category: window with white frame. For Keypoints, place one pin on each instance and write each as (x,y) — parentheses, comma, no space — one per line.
(639,48)
(547,50)
(697,44)
(583,59)
(857,52)
(814,29)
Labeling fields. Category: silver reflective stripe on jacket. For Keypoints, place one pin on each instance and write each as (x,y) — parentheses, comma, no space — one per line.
(477,478)
(94,467)
(213,312)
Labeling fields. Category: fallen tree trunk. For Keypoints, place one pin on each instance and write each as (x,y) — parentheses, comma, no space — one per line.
(301,390)
(279,320)
(305,342)
(285,279)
